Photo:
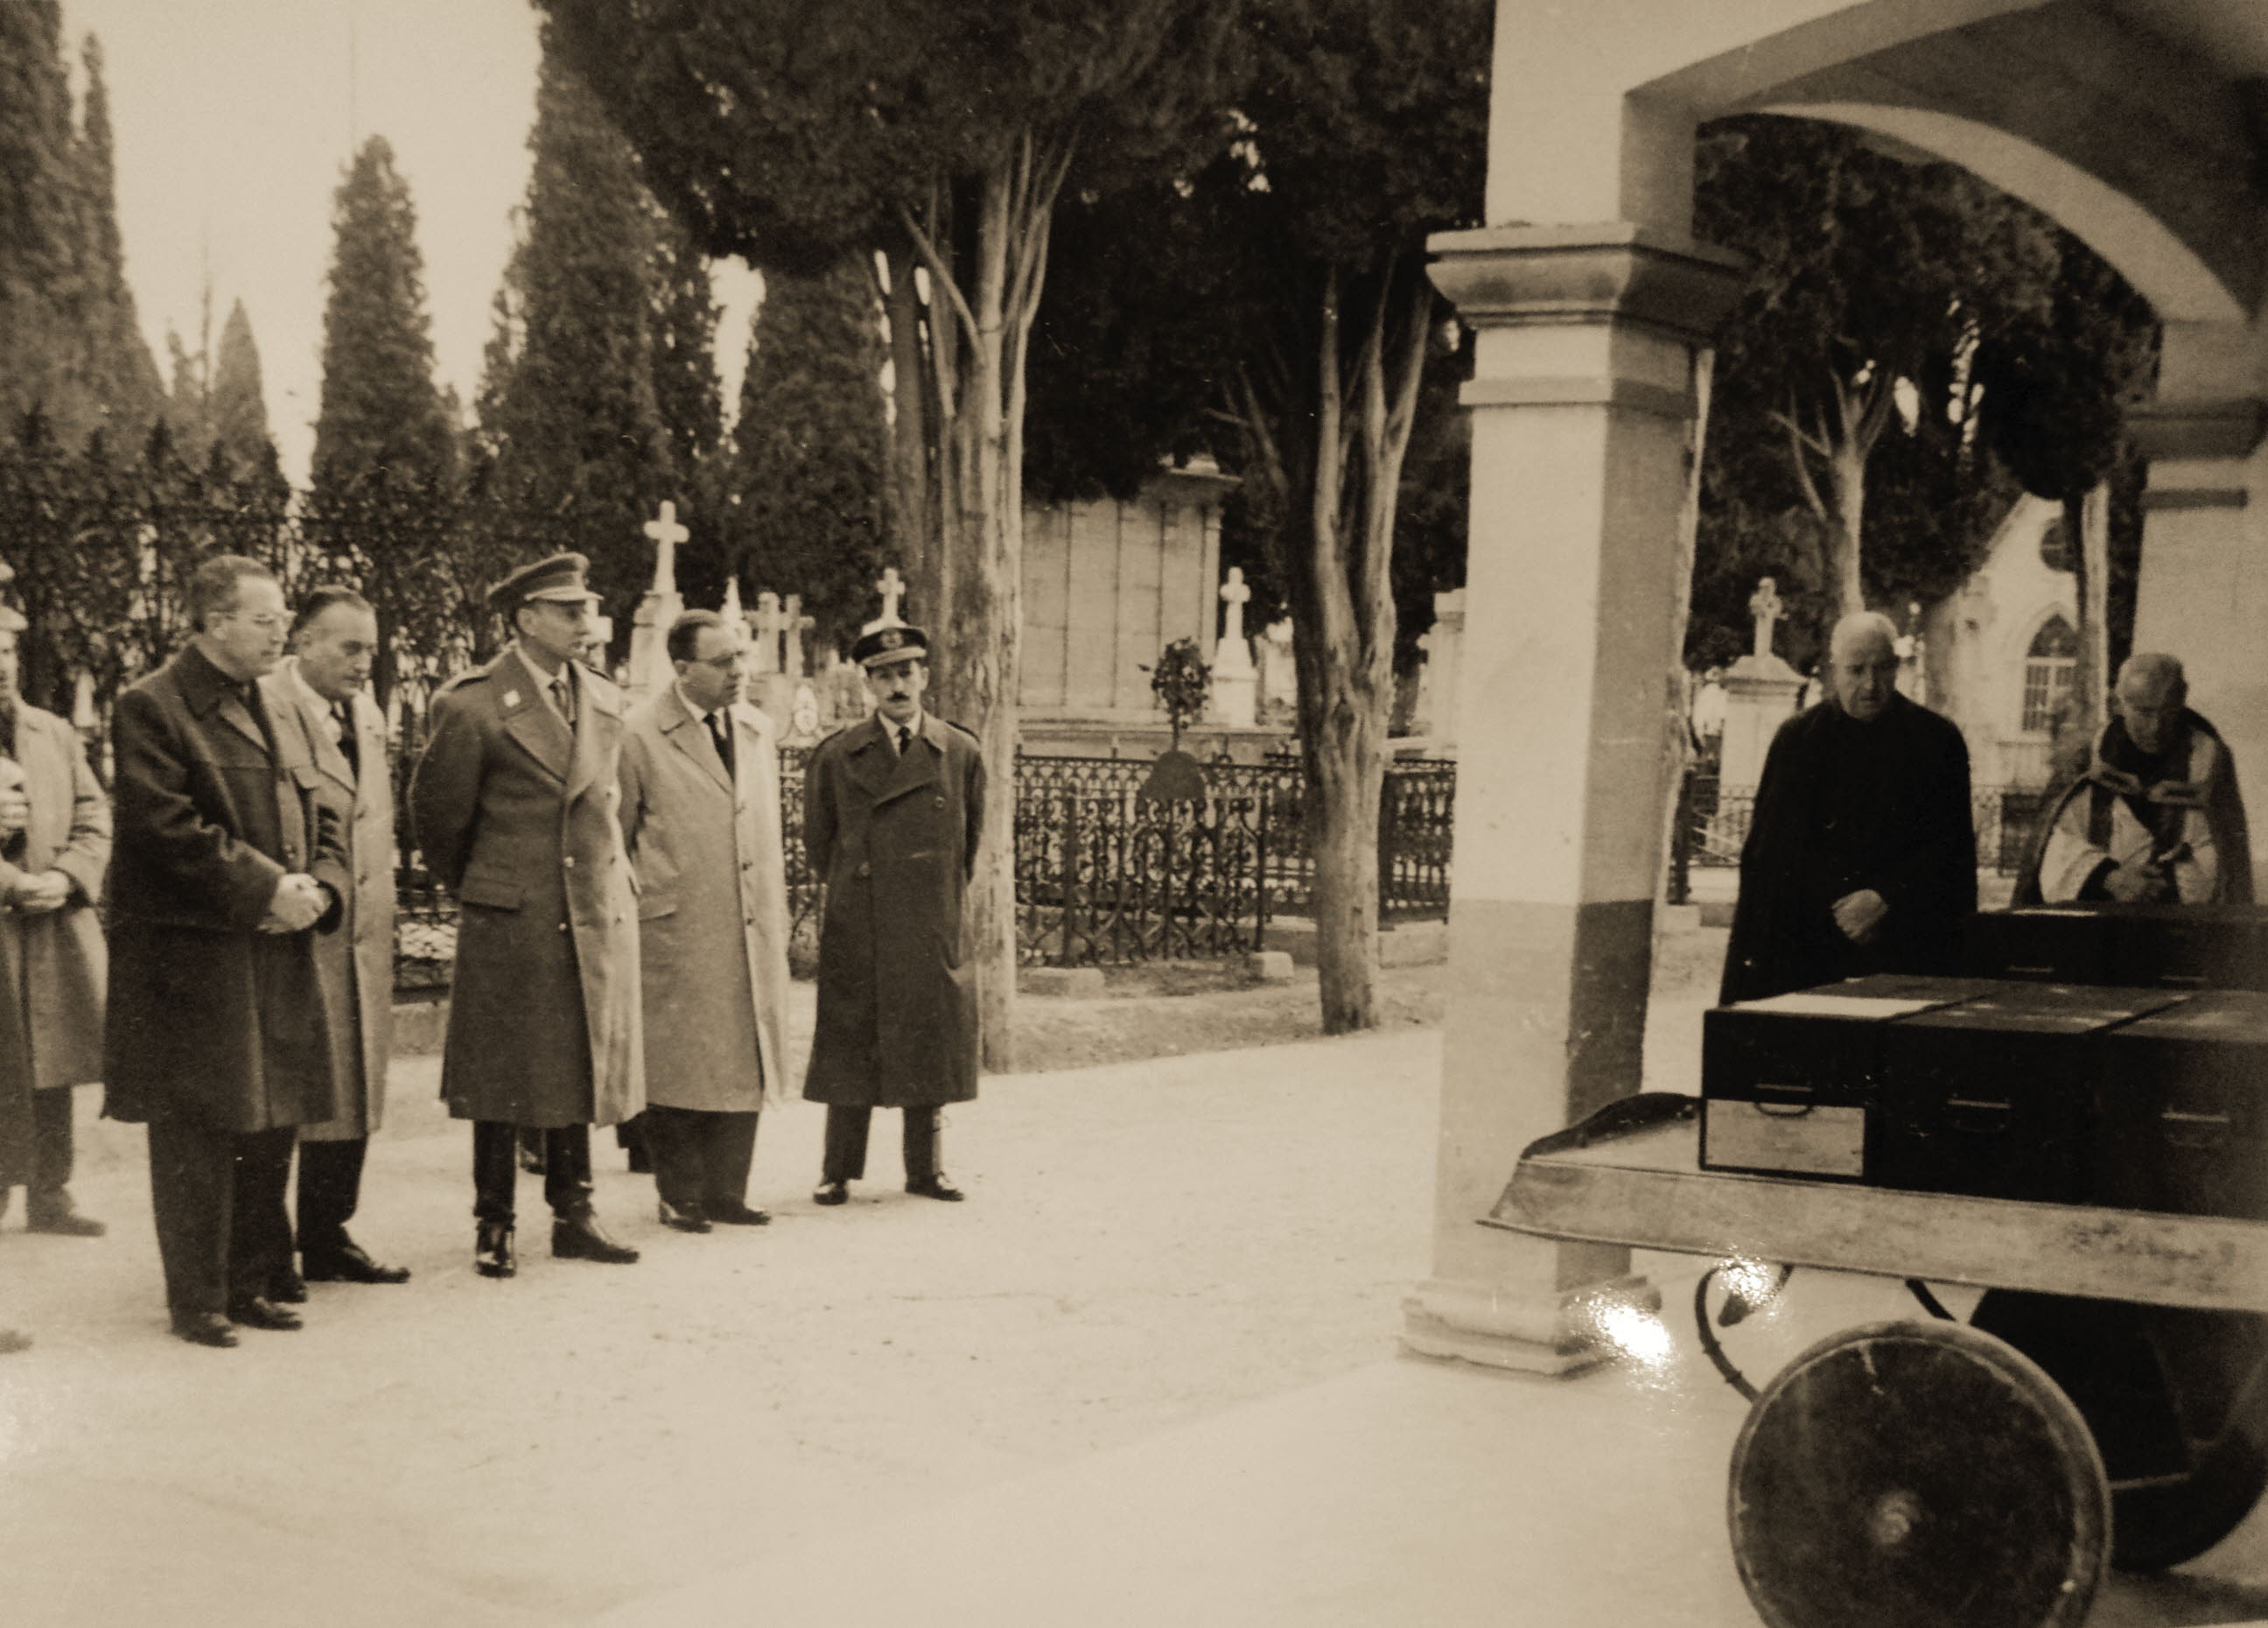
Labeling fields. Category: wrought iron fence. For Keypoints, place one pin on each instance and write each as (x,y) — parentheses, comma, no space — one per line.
(1712,825)
(1102,877)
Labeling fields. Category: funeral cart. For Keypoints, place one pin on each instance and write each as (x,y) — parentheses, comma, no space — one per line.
(2107,1403)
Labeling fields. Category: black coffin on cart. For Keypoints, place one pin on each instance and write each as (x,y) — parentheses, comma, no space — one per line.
(2181,947)
(1995,1098)
(2181,1110)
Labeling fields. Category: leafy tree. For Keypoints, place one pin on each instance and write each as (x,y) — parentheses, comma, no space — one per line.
(383,507)
(1873,283)
(808,468)
(2057,386)
(940,133)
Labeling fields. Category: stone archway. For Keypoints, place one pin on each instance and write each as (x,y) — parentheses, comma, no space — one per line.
(2139,124)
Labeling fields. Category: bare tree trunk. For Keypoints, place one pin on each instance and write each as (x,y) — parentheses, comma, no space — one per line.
(910,516)
(2088,524)
(980,321)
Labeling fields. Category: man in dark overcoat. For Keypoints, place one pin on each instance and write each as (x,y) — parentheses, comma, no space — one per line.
(51,943)
(1861,855)
(217,1036)
(515,808)
(893,811)
(321,690)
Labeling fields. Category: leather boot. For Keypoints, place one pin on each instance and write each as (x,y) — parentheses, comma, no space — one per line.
(576,1235)
(492,1256)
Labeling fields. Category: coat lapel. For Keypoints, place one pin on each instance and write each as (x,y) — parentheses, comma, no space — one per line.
(597,719)
(872,765)
(916,767)
(314,713)
(690,736)
(529,719)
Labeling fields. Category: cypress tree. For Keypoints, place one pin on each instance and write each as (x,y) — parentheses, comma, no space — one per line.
(121,374)
(571,414)
(807,473)
(42,281)
(238,401)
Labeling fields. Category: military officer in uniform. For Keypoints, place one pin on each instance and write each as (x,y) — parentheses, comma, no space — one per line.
(321,688)
(893,808)
(700,815)
(514,807)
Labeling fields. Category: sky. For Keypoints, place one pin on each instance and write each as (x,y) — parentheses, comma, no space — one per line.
(235,120)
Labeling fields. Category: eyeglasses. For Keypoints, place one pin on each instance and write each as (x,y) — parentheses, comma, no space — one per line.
(266,624)
(724,663)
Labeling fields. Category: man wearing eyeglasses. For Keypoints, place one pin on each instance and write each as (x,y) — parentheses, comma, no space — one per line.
(700,815)
(217,1033)
(514,802)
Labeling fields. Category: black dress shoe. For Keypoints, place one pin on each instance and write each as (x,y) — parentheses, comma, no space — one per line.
(577,1236)
(685,1221)
(936,1187)
(348,1262)
(286,1287)
(54,1212)
(204,1327)
(256,1313)
(832,1192)
(492,1256)
(733,1212)
(13,1340)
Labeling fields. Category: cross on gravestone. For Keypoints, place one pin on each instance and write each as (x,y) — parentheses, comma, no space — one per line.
(666,535)
(1764,606)
(1233,594)
(795,624)
(892,588)
(768,620)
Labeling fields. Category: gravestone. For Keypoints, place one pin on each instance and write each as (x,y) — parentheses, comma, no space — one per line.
(1235,679)
(649,671)
(1760,692)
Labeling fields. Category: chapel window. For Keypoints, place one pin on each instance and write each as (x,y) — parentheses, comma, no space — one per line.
(2051,665)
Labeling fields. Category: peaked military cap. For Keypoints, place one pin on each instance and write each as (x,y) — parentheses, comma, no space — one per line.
(559,578)
(894,643)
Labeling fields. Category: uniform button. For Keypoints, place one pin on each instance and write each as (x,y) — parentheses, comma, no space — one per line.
(863,869)
(563,926)
(747,864)
(571,861)
(941,802)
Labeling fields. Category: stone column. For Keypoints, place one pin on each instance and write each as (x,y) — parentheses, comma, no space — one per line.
(2204,591)
(1583,400)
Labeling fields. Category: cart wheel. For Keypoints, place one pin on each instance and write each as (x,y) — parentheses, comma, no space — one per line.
(1913,1475)
(2177,1401)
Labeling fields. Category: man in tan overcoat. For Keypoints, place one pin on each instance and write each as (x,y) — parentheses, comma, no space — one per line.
(701,816)
(52,956)
(892,810)
(514,803)
(321,690)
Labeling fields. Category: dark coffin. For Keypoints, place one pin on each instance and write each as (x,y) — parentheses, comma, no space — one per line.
(2189,946)
(1790,1084)
(1993,1097)
(2053,944)
(2181,1110)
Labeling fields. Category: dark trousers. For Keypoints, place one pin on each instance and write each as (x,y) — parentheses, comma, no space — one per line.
(218,1195)
(51,1141)
(845,1159)
(496,1169)
(700,1159)
(330,1191)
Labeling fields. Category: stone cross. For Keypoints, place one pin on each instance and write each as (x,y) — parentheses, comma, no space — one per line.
(1233,594)
(892,588)
(1764,606)
(666,535)
(795,624)
(767,622)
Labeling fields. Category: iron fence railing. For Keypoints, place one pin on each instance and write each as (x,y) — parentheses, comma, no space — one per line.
(1103,876)
(1712,825)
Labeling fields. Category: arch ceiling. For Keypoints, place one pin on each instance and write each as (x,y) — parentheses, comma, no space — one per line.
(2140,125)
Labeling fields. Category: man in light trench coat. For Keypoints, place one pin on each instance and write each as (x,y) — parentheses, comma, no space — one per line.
(53,963)
(321,690)
(701,817)
(893,808)
(514,802)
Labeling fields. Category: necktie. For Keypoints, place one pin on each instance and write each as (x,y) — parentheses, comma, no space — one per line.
(905,738)
(7,732)
(722,734)
(349,746)
(562,693)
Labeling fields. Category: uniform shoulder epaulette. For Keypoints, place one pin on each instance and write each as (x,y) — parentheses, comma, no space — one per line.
(962,728)
(604,685)
(828,739)
(470,675)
